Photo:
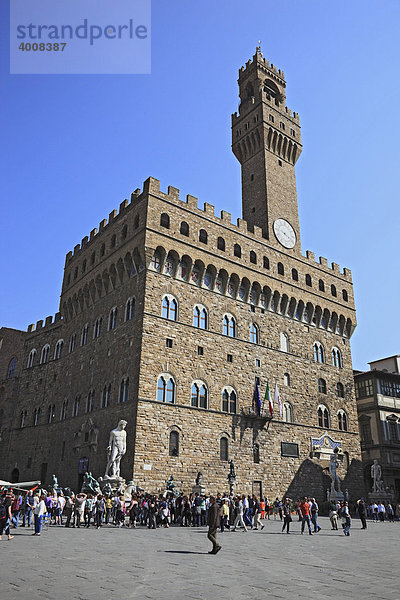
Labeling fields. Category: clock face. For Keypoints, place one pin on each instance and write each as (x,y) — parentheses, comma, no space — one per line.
(285,233)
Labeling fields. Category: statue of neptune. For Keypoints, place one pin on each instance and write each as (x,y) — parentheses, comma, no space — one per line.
(115,450)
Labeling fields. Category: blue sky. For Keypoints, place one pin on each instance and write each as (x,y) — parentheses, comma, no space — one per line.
(74,146)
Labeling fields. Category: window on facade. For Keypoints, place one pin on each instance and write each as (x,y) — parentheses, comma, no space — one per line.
(342,420)
(256,453)
(287,412)
(389,388)
(36,417)
(124,232)
(337,358)
(164,220)
(393,434)
(130,309)
(237,251)
(323,417)
(282,125)
(266,262)
(92,258)
(84,335)
(203,237)
(319,352)
(22,418)
(44,357)
(271,118)
(72,342)
(229,326)
(284,341)
(253,257)
(31,358)
(321,285)
(124,390)
(84,266)
(76,272)
(365,389)
(169,308)
(102,250)
(200,350)
(113,241)
(90,401)
(223,449)
(308,280)
(106,396)
(345,295)
(286,379)
(174,443)
(295,275)
(166,389)
(340,390)
(64,409)
(229,400)
(51,413)
(254,334)
(97,328)
(366,432)
(281,269)
(333,290)
(75,407)
(200,317)
(199,395)
(221,244)
(112,318)
(184,229)
(257,362)
(322,386)
(58,350)
(136,222)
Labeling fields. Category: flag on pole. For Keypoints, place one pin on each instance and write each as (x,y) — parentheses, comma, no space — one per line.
(269,400)
(277,399)
(256,400)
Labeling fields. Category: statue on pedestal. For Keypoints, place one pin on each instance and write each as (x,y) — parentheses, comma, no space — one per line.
(376,474)
(199,478)
(90,485)
(54,484)
(333,465)
(170,487)
(115,450)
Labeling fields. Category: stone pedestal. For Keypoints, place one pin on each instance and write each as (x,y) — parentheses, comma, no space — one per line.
(199,489)
(116,483)
(336,496)
(378,497)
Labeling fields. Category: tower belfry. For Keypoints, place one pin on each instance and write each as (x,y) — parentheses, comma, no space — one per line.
(266,141)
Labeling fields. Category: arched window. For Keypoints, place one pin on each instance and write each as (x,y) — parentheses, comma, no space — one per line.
(200,317)
(112,318)
(84,335)
(106,396)
(254,334)
(308,280)
(229,400)
(97,328)
(174,443)
(203,237)
(92,258)
(156,262)
(340,390)
(295,275)
(323,416)
(199,395)
(102,250)
(130,309)
(229,326)
(286,379)
(333,290)
(253,257)
(337,358)
(342,420)
(281,269)
(45,354)
(166,389)
(51,413)
(76,405)
(184,229)
(284,341)
(321,386)
(90,401)
(164,220)
(221,244)
(124,390)
(124,232)
(113,241)
(64,407)
(319,352)
(345,295)
(31,358)
(266,262)
(72,342)
(76,273)
(22,418)
(223,449)
(169,308)
(237,251)
(321,285)
(256,453)
(84,266)
(287,412)
(36,417)
(136,222)
(58,349)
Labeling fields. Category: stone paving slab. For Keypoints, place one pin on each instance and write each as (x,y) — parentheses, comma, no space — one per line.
(86,564)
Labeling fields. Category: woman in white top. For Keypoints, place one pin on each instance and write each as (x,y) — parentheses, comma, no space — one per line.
(38,513)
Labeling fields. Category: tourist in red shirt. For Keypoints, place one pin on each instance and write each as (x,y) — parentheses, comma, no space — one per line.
(305,515)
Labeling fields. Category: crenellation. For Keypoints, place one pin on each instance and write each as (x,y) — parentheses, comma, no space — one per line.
(192,201)
(39,324)
(242,225)
(151,186)
(226,217)
(84,241)
(48,320)
(209,209)
(112,216)
(335,268)
(310,255)
(93,233)
(347,273)
(257,232)
(77,249)
(173,192)
(123,206)
(30,328)
(102,224)
(323,261)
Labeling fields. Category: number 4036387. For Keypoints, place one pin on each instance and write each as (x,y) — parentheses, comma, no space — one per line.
(42,47)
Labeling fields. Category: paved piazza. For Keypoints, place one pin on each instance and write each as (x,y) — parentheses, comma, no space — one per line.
(174,564)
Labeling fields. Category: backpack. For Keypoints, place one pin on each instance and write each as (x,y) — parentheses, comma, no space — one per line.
(3,512)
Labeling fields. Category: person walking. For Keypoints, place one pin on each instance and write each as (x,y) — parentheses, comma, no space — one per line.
(287,517)
(6,516)
(362,513)
(38,513)
(346,520)
(305,515)
(100,507)
(333,515)
(257,514)
(213,523)
(68,509)
(239,515)
(314,515)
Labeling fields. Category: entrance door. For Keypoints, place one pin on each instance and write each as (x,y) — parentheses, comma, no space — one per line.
(257,489)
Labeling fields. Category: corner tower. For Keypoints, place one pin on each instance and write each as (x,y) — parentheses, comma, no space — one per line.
(266,141)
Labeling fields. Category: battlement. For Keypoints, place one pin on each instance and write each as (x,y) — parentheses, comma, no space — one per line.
(258,58)
(50,321)
(123,207)
(152,186)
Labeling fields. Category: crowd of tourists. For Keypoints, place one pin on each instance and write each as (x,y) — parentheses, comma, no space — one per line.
(242,512)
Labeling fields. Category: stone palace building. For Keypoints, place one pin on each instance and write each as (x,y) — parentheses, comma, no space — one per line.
(170,314)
